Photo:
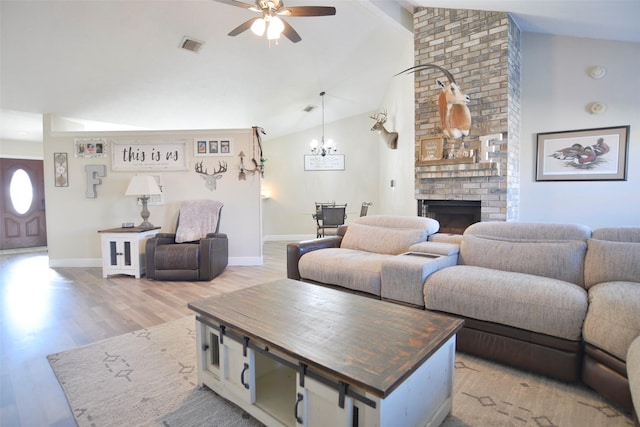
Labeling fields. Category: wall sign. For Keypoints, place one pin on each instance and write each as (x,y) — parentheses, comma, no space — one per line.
(137,156)
(330,162)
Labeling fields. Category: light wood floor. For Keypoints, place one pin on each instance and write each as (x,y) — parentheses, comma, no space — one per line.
(46,310)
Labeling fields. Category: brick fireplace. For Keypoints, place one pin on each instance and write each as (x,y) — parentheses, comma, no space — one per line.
(454,216)
(482,51)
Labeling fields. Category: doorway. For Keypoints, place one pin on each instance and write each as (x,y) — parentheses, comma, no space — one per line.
(22,204)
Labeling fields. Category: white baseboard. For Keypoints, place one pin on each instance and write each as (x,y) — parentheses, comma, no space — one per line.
(75,262)
(288,237)
(97,262)
(239,261)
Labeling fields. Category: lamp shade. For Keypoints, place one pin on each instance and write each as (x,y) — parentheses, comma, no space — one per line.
(142,185)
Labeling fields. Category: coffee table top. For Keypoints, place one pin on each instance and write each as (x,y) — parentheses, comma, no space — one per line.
(365,342)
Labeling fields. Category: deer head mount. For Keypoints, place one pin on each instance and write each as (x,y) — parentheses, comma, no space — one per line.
(211,178)
(455,118)
(389,138)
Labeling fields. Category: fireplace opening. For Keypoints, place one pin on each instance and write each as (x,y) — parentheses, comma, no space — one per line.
(454,216)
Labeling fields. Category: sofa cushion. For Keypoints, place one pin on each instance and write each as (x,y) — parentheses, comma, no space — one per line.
(539,304)
(562,260)
(382,240)
(611,261)
(617,234)
(348,268)
(529,230)
(398,221)
(613,318)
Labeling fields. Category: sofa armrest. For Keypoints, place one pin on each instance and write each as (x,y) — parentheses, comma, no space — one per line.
(402,277)
(296,250)
(214,255)
(435,248)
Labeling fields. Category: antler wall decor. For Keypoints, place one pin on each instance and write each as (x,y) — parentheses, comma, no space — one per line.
(211,178)
(257,167)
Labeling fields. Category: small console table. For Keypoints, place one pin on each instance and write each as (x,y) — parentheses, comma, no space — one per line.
(123,250)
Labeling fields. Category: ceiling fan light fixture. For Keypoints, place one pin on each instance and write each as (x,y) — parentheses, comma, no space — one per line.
(258,27)
(276,26)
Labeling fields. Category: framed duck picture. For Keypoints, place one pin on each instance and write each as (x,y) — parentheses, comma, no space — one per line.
(583,155)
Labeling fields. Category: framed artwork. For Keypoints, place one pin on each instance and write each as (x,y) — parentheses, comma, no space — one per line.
(430,149)
(90,147)
(61,169)
(213,147)
(583,155)
(330,162)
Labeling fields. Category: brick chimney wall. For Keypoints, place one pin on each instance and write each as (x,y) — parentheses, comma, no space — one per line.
(482,51)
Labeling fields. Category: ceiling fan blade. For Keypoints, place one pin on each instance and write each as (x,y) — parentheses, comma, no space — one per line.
(237,3)
(243,27)
(309,11)
(290,33)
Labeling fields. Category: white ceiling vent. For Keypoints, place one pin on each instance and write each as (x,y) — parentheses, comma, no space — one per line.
(191,44)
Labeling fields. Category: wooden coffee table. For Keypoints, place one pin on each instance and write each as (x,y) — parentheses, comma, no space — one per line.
(292,353)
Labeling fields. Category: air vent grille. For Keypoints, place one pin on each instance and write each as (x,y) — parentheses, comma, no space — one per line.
(191,44)
(309,108)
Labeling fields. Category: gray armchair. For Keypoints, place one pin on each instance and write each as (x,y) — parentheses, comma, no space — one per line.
(197,251)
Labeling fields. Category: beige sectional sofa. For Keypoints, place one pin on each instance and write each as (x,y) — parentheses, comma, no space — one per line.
(633,372)
(520,289)
(612,278)
(380,255)
(562,300)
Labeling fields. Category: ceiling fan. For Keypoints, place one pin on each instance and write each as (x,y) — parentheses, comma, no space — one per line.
(270,20)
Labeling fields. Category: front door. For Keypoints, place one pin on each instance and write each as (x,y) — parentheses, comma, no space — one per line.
(22,207)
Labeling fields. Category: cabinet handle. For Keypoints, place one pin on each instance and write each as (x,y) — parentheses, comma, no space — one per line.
(246,366)
(295,409)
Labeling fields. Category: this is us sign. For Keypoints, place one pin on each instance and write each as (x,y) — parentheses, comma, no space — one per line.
(136,156)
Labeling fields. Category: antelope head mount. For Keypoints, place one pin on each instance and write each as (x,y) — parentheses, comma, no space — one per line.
(211,178)
(389,138)
(455,118)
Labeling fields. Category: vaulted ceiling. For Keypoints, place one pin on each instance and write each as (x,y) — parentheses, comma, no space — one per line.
(120,61)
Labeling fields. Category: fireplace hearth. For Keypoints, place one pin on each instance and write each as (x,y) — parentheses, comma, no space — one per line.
(454,216)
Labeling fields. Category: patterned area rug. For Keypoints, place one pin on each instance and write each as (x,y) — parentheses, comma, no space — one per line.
(148,378)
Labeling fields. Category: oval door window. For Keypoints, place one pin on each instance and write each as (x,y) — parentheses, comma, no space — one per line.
(21,191)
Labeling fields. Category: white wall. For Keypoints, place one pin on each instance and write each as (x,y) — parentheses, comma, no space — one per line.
(369,165)
(73,220)
(293,191)
(555,93)
(399,164)
(21,150)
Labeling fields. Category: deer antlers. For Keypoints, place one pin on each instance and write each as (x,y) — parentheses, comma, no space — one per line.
(380,121)
(211,178)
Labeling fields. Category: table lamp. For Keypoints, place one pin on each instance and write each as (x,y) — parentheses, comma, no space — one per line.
(143,186)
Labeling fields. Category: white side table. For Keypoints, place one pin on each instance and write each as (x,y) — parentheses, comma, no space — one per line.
(123,250)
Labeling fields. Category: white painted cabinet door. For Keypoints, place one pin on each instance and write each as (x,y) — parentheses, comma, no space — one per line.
(317,406)
(239,371)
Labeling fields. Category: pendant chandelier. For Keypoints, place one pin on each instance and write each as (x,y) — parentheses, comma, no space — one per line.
(324,147)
